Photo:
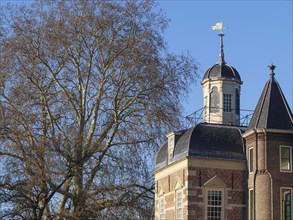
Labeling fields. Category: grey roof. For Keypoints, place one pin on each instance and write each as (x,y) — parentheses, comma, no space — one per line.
(272,110)
(222,70)
(161,158)
(206,141)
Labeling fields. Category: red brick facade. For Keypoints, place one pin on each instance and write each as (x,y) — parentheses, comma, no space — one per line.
(234,192)
(194,183)
(266,178)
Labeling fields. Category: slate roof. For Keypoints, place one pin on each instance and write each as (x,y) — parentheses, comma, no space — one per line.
(206,141)
(222,70)
(272,110)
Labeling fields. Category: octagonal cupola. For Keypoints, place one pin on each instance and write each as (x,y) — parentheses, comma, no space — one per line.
(221,90)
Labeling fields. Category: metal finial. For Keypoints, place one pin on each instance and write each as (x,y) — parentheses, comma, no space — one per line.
(221,54)
(272,68)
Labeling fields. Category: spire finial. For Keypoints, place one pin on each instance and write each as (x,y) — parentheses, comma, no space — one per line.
(219,26)
(272,67)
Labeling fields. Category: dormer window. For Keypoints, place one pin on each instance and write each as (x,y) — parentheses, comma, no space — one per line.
(170,147)
(172,137)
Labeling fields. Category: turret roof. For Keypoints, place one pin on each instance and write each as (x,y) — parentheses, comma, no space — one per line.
(272,110)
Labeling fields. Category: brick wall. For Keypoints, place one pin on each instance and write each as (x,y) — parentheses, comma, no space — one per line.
(193,187)
(168,185)
(267,179)
(234,192)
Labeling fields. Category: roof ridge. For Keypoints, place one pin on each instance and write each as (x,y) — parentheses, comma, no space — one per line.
(284,101)
(263,95)
(269,93)
(272,109)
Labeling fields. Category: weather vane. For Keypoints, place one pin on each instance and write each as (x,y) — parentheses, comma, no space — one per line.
(219,26)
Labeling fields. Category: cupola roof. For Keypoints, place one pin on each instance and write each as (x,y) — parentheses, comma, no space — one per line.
(221,69)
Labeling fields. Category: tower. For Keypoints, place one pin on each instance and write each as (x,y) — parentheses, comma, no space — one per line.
(269,140)
(221,90)
(220,170)
(200,172)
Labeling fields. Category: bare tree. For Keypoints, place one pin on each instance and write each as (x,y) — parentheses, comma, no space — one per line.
(87,90)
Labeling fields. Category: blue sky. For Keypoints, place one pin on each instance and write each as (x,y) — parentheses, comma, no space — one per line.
(259,33)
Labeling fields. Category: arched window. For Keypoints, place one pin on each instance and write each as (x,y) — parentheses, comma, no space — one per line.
(227,103)
(214,103)
(237,102)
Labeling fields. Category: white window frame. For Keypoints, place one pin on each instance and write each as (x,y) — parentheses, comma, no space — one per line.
(251,204)
(162,208)
(250,160)
(222,202)
(290,159)
(179,206)
(227,103)
(282,202)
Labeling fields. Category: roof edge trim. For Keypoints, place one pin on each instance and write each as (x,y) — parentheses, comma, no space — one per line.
(266,130)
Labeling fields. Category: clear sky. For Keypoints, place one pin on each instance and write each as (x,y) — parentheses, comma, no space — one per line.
(259,33)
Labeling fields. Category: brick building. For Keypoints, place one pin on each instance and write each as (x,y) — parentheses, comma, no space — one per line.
(221,170)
